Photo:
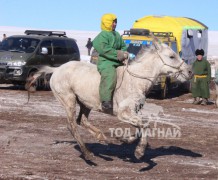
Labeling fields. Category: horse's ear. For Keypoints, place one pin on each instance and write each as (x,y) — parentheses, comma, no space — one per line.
(156,42)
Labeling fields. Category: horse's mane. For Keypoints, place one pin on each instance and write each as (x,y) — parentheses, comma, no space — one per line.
(143,50)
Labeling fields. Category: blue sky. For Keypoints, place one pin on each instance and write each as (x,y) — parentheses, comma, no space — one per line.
(86,14)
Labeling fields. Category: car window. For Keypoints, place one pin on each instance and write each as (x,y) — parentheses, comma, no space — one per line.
(174,47)
(19,44)
(59,47)
(72,47)
(47,44)
(135,48)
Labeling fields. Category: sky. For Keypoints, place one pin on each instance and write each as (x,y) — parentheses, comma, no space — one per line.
(85,15)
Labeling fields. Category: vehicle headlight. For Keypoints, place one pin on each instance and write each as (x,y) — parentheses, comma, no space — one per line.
(16,63)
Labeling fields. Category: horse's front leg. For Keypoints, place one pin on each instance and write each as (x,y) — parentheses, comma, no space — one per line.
(140,148)
(139,133)
(128,111)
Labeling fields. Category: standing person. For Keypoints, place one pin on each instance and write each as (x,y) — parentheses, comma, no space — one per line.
(4,37)
(201,79)
(112,52)
(89,45)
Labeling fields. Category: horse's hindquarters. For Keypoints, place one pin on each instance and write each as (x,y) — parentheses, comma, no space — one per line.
(80,79)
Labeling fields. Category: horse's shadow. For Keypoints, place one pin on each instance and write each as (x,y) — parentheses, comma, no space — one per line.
(12,87)
(126,153)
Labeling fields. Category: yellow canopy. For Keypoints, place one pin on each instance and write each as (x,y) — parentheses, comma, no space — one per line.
(168,24)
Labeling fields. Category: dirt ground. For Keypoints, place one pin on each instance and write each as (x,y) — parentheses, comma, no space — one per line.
(35,142)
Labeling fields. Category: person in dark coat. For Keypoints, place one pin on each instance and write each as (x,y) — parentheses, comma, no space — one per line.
(89,45)
(201,78)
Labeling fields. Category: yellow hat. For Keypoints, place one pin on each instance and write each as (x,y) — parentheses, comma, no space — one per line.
(107,21)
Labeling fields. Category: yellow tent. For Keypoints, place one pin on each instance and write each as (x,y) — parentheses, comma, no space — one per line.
(169,24)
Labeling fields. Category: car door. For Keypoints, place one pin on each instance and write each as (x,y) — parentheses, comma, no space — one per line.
(46,59)
(73,50)
(60,53)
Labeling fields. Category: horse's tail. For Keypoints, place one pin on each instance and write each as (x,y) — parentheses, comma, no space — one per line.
(31,80)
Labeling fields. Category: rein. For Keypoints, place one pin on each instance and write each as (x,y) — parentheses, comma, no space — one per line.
(136,75)
(133,74)
(177,67)
(164,64)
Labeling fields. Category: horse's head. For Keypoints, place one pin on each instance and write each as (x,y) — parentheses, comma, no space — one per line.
(172,63)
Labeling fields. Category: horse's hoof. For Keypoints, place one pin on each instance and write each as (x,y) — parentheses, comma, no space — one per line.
(128,140)
(105,142)
(102,139)
(89,156)
(139,153)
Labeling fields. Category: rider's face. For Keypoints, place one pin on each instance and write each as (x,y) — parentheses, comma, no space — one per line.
(114,25)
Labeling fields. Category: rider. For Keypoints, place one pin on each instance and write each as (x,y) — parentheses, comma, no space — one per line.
(112,52)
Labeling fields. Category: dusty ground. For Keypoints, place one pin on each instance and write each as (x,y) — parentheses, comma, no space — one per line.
(36,144)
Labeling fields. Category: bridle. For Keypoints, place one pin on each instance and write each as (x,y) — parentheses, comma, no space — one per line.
(164,64)
(180,72)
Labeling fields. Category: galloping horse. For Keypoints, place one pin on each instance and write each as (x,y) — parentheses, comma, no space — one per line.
(78,82)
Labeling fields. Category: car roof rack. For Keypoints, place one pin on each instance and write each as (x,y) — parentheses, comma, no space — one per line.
(163,34)
(45,33)
(146,32)
(135,31)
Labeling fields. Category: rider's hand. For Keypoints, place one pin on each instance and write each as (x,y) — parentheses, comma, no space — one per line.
(131,56)
(122,55)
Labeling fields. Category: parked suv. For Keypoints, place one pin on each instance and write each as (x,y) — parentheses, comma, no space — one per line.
(22,55)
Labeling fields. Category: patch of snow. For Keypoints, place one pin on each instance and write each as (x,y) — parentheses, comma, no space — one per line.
(85,58)
(199,111)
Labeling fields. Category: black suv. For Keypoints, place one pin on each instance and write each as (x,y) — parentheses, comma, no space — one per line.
(22,55)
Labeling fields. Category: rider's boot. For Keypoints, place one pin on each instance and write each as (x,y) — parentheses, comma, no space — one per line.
(107,106)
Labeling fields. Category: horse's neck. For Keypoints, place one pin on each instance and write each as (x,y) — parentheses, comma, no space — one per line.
(139,76)
(148,70)
(132,88)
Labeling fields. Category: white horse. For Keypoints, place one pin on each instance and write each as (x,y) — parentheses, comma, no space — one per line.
(78,82)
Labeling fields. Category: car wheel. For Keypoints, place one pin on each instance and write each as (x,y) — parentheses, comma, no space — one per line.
(34,86)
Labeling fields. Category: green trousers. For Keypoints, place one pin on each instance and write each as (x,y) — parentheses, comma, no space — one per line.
(200,88)
(108,81)
(216,76)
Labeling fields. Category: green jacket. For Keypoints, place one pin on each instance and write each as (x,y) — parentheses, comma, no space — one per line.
(202,68)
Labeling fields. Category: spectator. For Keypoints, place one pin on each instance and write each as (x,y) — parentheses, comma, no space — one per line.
(4,37)
(89,45)
(201,79)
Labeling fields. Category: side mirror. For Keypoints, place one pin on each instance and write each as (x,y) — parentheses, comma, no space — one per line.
(44,50)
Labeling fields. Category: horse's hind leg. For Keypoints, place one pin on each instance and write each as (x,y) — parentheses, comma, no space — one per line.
(69,102)
(140,148)
(82,119)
